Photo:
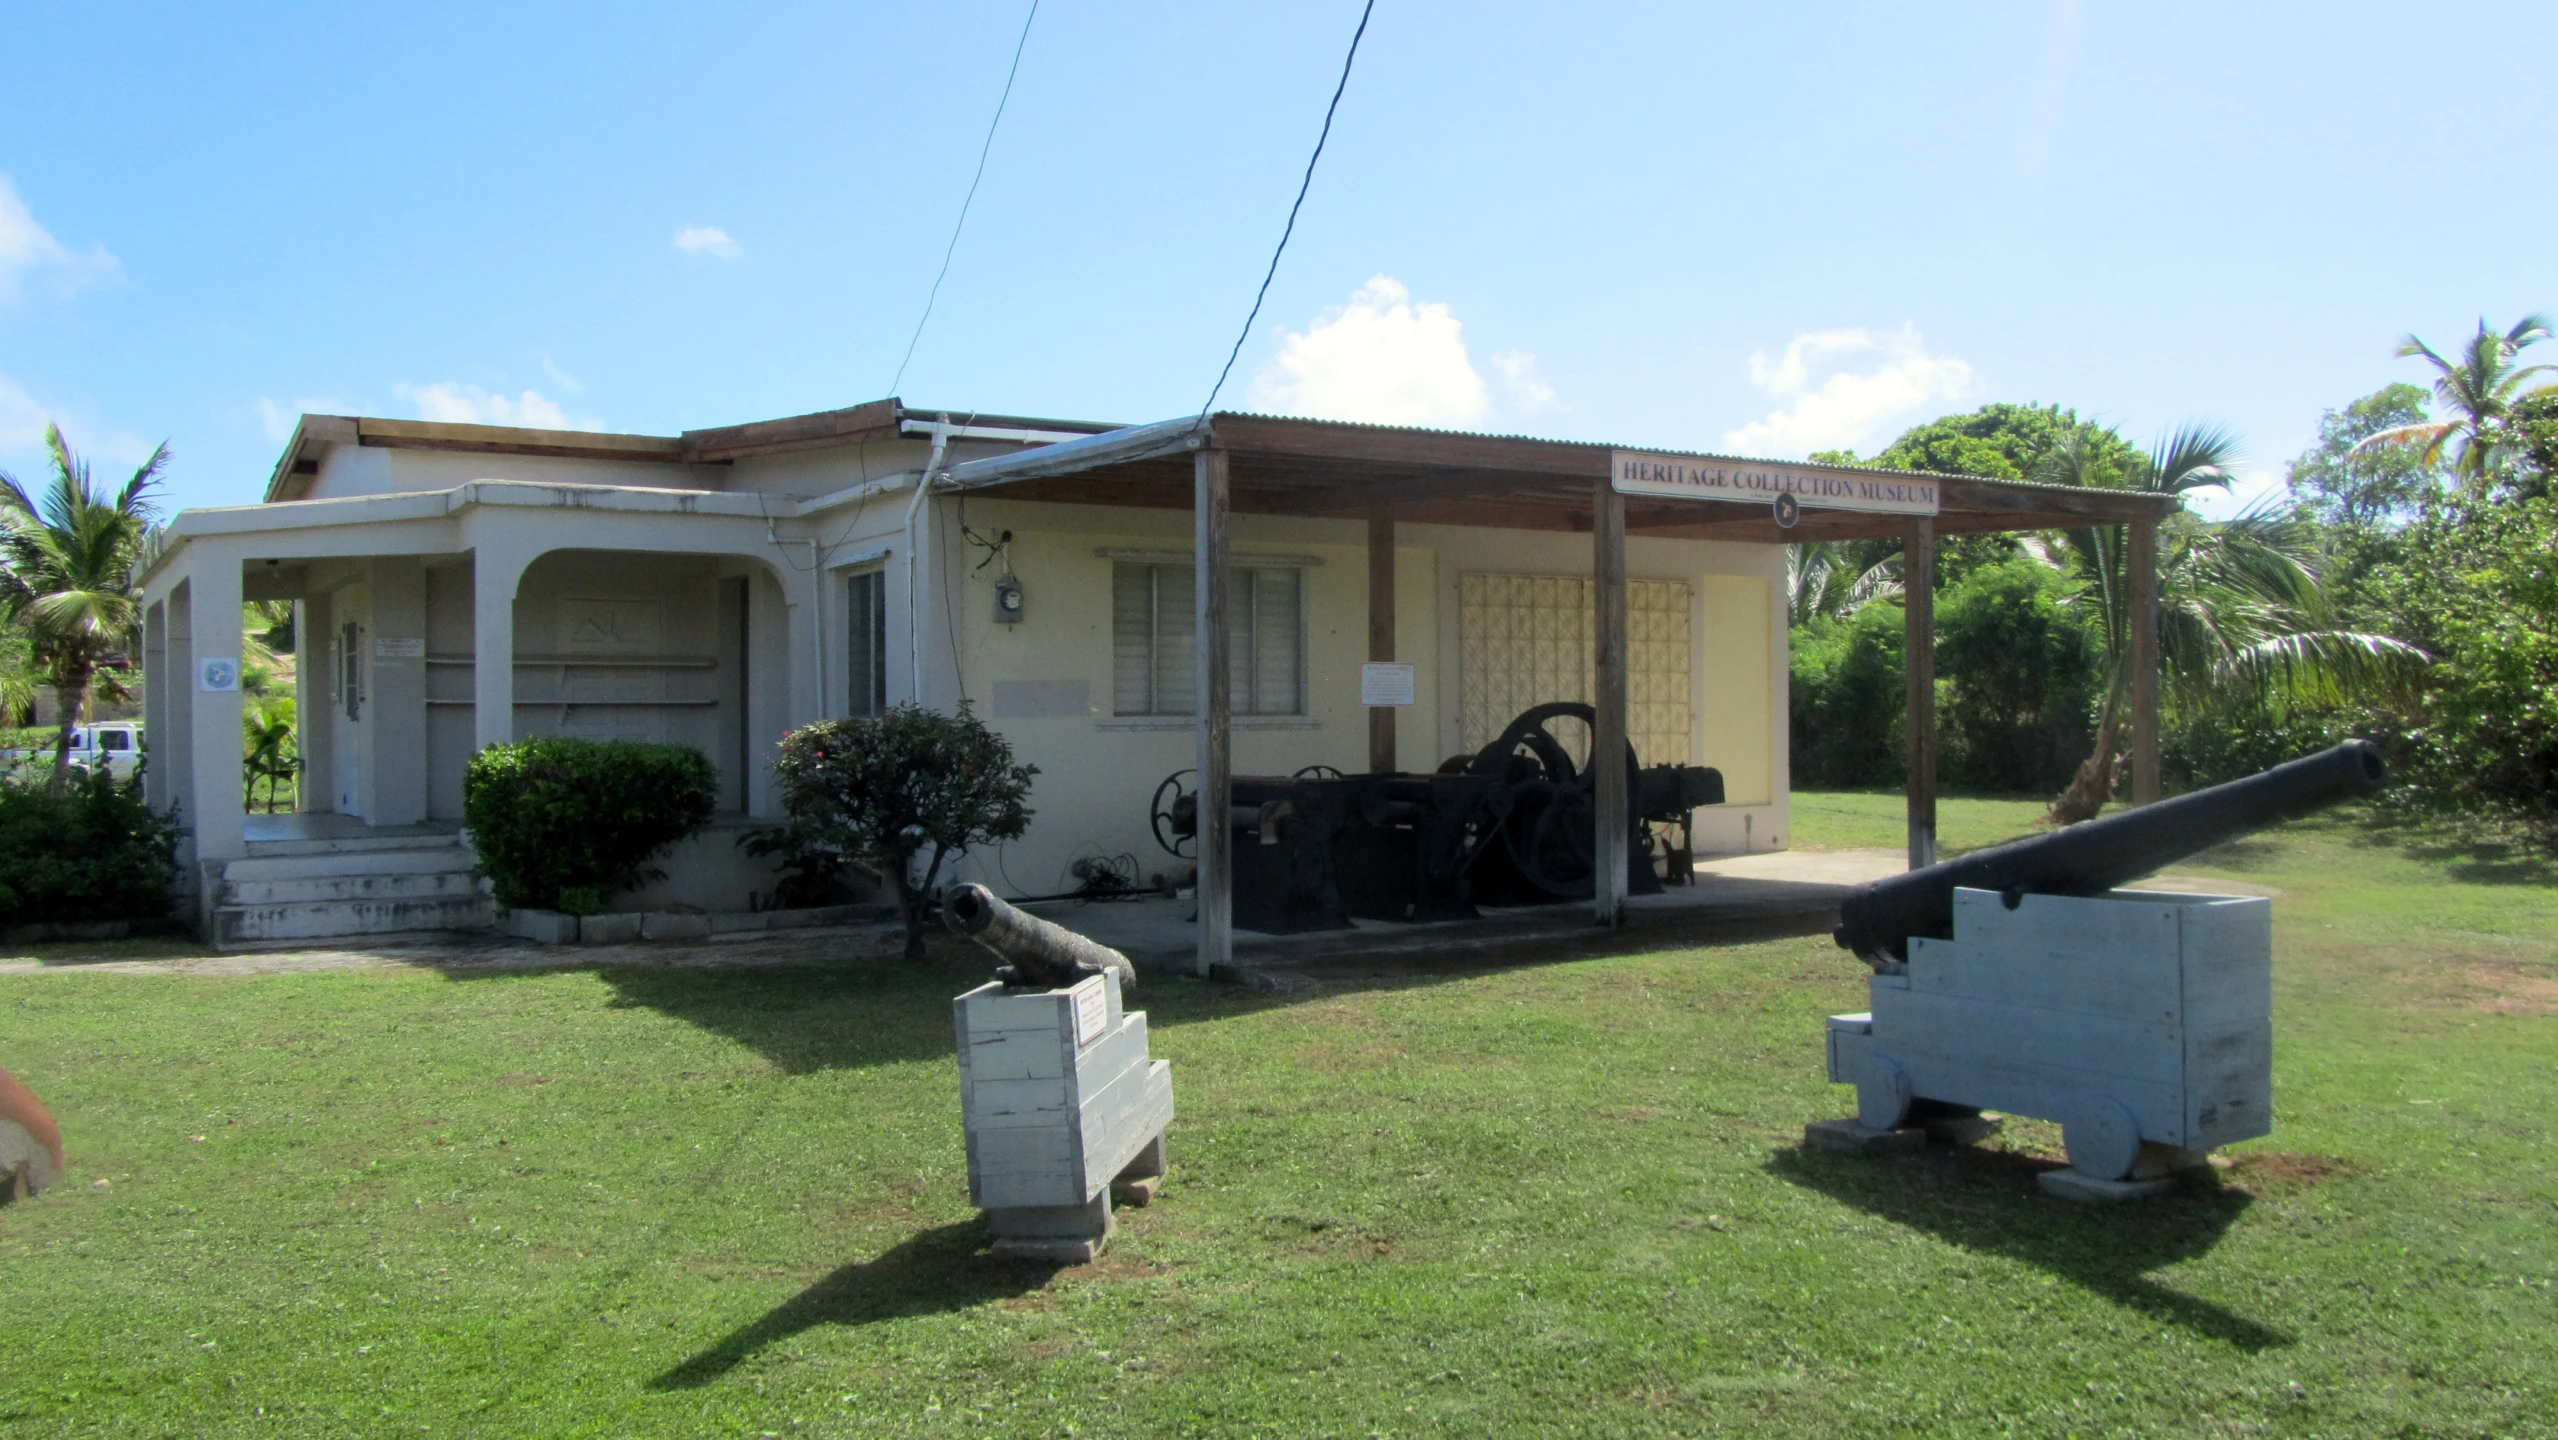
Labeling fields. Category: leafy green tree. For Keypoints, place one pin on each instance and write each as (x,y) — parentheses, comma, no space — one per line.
(66,577)
(2477,585)
(2344,482)
(2241,609)
(2018,674)
(902,792)
(268,752)
(2535,438)
(2477,392)
(2002,442)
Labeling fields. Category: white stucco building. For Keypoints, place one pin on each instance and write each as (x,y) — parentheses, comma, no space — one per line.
(462,585)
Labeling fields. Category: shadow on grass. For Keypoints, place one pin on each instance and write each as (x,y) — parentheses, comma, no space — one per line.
(2473,851)
(940,1270)
(1987,1201)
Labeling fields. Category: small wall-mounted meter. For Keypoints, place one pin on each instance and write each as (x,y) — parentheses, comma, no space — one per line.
(1007,601)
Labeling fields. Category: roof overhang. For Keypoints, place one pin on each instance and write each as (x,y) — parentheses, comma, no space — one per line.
(876,421)
(1283,466)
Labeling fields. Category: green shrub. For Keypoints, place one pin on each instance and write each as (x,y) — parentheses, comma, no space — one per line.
(95,852)
(562,822)
(2475,584)
(895,789)
(1848,703)
(2019,672)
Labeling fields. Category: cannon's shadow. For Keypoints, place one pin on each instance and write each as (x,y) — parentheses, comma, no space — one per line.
(939,1270)
(1987,1201)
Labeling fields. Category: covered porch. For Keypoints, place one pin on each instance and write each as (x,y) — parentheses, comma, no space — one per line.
(665,616)
(1222,465)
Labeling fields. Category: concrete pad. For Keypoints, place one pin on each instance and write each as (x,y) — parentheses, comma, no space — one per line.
(1055,1234)
(1850,1137)
(2088,1190)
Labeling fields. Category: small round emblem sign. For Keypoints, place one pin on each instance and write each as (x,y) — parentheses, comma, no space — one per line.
(1788,510)
(217,675)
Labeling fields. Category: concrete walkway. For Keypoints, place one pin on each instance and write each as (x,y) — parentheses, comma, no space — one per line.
(1747,897)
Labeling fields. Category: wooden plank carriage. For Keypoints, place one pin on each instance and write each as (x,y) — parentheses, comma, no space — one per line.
(1062,1107)
(2020,978)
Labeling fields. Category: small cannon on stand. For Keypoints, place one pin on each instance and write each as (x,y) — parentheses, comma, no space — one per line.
(1062,1108)
(2018,978)
(1515,823)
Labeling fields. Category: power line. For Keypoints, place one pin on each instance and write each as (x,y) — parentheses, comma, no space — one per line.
(1302,186)
(982,152)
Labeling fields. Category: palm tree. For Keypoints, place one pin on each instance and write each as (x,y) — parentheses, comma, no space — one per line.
(2241,611)
(2477,392)
(66,576)
(1829,578)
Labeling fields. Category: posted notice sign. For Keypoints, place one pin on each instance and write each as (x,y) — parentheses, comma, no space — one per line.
(1385,682)
(1759,482)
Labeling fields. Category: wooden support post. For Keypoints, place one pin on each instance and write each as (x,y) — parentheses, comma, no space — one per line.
(1210,552)
(2143,537)
(1608,779)
(1381,718)
(1918,653)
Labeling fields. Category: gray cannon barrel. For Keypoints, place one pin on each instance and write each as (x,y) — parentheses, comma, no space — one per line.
(1041,955)
(2091,858)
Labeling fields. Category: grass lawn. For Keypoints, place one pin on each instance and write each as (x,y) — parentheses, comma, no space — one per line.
(1562,1199)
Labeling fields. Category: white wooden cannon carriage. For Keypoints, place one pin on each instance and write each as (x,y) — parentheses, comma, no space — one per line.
(2141,1022)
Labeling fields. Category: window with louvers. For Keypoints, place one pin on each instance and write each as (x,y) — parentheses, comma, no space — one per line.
(1154,627)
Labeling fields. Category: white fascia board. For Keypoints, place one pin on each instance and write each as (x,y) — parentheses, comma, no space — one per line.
(291,516)
(993,432)
(1085,452)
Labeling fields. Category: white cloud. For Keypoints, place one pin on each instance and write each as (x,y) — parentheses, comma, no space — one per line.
(22,421)
(707,240)
(1381,359)
(27,248)
(1824,405)
(471,405)
(1529,394)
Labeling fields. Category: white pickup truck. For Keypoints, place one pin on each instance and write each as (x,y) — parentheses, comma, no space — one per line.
(116,744)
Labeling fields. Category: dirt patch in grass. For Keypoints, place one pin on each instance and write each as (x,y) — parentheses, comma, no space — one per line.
(2498,987)
(2264,1171)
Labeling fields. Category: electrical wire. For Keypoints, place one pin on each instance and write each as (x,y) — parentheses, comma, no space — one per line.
(1302,187)
(962,223)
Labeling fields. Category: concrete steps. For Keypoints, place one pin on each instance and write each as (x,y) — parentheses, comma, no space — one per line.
(346,887)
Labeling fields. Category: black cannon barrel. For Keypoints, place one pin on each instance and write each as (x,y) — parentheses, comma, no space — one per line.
(1040,954)
(2095,856)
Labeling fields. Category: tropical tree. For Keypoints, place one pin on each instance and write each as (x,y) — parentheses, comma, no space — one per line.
(2477,393)
(2344,482)
(267,749)
(2241,610)
(66,577)
(1828,578)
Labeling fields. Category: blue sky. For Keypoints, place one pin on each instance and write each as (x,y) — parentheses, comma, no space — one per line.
(1765,228)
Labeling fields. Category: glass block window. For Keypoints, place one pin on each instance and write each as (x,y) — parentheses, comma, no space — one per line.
(1524,640)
